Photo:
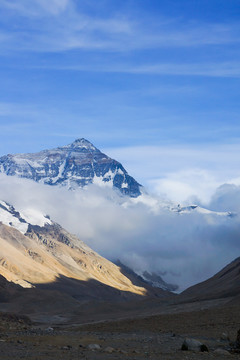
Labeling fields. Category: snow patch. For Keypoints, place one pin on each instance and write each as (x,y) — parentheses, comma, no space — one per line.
(120,172)
(60,172)
(35,217)
(190,208)
(10,220)
(20,221)
(104,181)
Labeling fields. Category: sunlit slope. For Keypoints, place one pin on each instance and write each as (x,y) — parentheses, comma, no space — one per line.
(46,253)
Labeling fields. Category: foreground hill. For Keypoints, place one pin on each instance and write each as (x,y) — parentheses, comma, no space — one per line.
(74,165)
(226,283)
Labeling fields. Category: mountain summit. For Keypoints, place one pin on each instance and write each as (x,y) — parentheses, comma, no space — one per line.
(75,165)
(82,144)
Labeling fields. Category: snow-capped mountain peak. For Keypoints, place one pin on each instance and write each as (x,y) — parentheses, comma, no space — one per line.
(75,165)
(81,144)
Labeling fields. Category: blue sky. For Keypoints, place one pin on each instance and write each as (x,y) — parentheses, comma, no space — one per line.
(132,76)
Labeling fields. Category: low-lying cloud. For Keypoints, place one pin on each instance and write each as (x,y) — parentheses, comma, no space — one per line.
(187,248)
(182,173)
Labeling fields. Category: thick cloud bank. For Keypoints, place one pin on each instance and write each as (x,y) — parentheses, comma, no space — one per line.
(184,248)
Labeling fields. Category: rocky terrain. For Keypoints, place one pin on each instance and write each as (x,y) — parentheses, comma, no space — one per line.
(209,334)
(173,327)
(74,165)
(61,300)
(47,255)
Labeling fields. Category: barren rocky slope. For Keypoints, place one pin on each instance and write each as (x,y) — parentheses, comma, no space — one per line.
(44,255)
(47,270)
(226,283)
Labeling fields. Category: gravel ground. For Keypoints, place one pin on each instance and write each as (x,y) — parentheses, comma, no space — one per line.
(156,337)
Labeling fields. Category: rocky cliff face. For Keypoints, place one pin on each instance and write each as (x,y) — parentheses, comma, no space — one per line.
(75,165)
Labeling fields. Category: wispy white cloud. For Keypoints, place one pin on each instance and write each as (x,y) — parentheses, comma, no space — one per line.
(60,25)
(207,69)
(15,111)
(21,118)
(187,186)
(217,69)
(53,7)
(35,8)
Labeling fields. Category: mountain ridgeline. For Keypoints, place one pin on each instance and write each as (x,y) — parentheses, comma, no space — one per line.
(74,165)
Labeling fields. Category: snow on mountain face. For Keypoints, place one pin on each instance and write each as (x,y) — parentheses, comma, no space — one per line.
(190,208)
(75,165)
(156,281)
(156,205)
(20,221)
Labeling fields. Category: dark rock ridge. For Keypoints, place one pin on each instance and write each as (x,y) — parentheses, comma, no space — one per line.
(74,165)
